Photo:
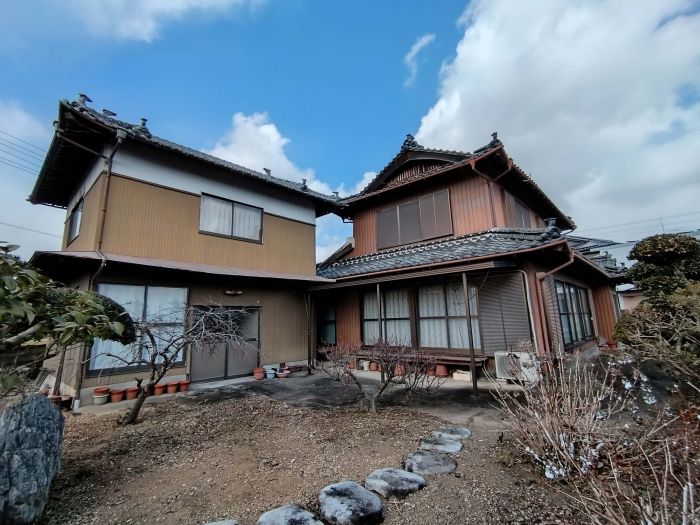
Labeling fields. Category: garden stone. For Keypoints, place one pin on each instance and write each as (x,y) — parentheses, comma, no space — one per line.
(455,433)
(347,503)
(31,431)
(393,482)
(288,515)
(440,444)
(427,463)
(222,522)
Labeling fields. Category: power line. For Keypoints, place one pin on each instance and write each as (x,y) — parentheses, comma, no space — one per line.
(610,226)
(41,150)
(31,162)
(20,149)
(29,229)
(3,160)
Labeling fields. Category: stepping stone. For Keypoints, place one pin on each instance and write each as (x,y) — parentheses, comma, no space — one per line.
(394,482)
(347,503)
(222,522)
(440,444)
(455,433)
(427,463)
(288,515)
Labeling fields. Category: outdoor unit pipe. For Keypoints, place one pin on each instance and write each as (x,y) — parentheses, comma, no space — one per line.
(121,135)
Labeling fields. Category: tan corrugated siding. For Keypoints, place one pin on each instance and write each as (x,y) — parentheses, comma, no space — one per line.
(149,221)
(348,318)
(283,323)
(89,222)
(605,314)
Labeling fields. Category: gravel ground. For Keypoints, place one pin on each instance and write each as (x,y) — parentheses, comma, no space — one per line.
(195,460)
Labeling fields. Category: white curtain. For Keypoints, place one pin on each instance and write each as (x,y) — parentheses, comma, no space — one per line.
(455,300)
(215,215)
(247,222)
(431,301)
(127,295)
(99,358)
(166,304)
(433,333)
(370,328)
(397,331)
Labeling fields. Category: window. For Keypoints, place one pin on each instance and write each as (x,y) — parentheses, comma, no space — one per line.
(229,218)
(396,318)
(326,326)
(74,221)
(413,221)
(164,308)
(442,316)
(574,312)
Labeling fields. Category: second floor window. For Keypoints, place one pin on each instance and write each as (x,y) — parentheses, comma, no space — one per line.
(230,219)
(421,219)
(74,221)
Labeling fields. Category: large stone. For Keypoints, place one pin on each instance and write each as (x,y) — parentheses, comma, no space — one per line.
(440,444)
(288,515)
(428,463)
(31,431)
(347,503)
(394,482)
(455,433)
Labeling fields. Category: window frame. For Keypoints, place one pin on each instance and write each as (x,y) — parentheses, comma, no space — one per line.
(381,308)
(95,372)
(233,204)
(77,211)
(396,212)
(575,312)
(326,321)
(468,316)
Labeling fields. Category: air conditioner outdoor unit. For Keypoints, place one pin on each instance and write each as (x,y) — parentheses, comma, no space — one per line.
(516,366)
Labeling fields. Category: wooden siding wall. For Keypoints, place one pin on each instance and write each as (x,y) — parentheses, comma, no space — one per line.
(605,314)
(89,222)
(144,220)
(504,313)
(410,171)
(347,315)
(283,323)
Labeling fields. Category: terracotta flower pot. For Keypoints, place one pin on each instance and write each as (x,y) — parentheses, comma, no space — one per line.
(116,395)
(258,375)
(400,370)
(441,371)
(99,390)
(373,367)
(132,392)
(184,385)
(431,371)
(158,389)
(172,387)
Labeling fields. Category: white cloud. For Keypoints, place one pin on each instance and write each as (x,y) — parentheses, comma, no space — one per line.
(598,105)
(143,19)
(255,142)
(411,58)
(18,171)
(360,185)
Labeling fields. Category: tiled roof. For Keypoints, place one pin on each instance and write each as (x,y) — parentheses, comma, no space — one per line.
(593,250)
(142,134)
(490,243)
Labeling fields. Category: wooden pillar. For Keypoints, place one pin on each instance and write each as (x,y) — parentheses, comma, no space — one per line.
(380,317)
(475,386)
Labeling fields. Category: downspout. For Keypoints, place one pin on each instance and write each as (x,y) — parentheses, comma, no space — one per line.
(540,291)
(489,182)
(121,135)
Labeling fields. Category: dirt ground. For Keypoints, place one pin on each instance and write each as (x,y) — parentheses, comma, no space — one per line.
(236,453)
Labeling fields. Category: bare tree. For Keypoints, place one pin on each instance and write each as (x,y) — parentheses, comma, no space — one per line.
(399,365)
(159,349)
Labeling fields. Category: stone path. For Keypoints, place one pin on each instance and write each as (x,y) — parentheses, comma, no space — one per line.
(348,503)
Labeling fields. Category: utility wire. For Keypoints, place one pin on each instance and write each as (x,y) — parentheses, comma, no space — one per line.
(30,162)
(20,149)
(29,229)
(41,150)
(3,160)
(607,227)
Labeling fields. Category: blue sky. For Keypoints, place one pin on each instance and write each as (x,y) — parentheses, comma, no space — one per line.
(588,99)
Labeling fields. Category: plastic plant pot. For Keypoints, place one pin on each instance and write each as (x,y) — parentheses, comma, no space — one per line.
(172,387)
(116,395)
(99,390)
(100,399)
(184,385)
(158,389)
(269,373)
(132,392)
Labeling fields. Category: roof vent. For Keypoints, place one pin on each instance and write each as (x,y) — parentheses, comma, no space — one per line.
(141,128)
(303,185)
(267,171)
(494,136)
(83,99)
(550,231)
(108,113)
(410,143)
(337,194)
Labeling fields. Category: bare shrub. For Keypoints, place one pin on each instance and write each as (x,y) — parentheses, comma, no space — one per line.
(399,365)
(575,425)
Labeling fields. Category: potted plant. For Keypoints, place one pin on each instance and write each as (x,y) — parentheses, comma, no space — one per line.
(132,392)
(99,390)
(373,367)
(399,370)
(441,371)
(282,373)
(116,395)
(183,385)
(158,389)
(258,373)
(269,372)
(172,387)
(100,399)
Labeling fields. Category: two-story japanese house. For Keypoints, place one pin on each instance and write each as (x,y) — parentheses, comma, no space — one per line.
(462,255)
(160,227)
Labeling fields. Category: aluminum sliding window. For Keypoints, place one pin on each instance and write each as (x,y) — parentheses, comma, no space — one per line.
(74,220)
(230,219)
(163,307)
(574,312)
(326,325)
(396,318)
(442,316)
